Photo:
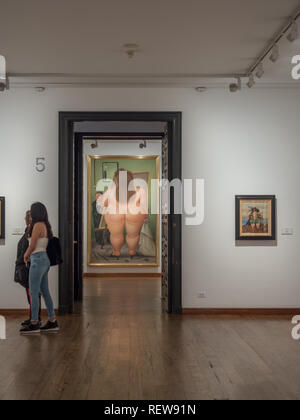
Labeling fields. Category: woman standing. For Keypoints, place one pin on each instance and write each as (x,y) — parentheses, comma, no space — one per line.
(22,271)
(40,233)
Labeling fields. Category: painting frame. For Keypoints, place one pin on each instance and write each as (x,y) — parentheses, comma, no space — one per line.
(270,235)
(2,217)
(90,263)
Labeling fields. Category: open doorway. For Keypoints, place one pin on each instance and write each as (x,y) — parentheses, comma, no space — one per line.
(78,133)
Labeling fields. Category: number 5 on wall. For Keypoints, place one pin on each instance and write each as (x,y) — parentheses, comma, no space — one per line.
(40,164)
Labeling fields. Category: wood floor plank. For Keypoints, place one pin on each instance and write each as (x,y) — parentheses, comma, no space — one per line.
(120,345)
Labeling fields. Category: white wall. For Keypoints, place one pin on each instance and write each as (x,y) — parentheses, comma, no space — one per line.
(247,143)
(128,148)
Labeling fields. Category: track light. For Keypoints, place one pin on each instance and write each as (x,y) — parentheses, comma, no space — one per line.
(235,87)
(275,54)
(251,82)
(94,145)
(143,145)
(260,71)
(201,89)
(40,89)
(293,35)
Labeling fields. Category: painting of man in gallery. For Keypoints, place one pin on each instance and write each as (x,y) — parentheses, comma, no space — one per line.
(255,217)
(122,228)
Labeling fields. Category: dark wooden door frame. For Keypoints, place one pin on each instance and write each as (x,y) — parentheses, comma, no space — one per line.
(78,218)
(80,138)
(66,198)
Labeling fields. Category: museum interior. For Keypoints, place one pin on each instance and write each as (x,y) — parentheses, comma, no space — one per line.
(197,296)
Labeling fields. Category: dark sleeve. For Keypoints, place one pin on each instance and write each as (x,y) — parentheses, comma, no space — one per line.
(21,271)
(22,248)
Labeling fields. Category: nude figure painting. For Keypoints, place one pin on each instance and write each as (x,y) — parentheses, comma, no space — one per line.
(123,229)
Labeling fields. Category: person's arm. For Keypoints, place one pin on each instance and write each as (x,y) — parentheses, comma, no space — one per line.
(144,203)
(36,234)
(103,201)
(99,204)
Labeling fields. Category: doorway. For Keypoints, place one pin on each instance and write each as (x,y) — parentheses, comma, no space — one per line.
(70,204)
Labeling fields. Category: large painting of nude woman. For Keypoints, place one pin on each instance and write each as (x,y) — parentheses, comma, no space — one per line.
(123,228)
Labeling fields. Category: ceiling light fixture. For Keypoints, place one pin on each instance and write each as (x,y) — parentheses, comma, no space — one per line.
(251,82)
(94,145)
(290,31)
(131,49)
(40,89)
(293,35)
(275,54)
(260,71)
(201,89)
(236,87)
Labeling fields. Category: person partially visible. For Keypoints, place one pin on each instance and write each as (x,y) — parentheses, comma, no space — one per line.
(21,271)
(255,219)
(99,234)
(40,232)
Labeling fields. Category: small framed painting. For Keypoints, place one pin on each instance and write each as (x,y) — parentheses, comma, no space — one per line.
(255,217)
(2,218)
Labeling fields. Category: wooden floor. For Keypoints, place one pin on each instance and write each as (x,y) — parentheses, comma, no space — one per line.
(120,346)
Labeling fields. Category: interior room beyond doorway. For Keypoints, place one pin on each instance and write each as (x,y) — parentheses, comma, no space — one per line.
(101,158)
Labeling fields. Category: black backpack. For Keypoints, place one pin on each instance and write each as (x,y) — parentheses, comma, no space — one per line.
(54,252)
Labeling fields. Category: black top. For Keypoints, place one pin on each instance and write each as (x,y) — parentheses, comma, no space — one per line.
(22,272)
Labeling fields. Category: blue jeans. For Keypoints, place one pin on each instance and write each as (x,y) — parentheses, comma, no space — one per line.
(38,283)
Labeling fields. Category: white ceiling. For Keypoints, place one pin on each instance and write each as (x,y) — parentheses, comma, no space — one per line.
(177,37)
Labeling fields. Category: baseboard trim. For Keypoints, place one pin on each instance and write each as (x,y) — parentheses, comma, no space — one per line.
(20,312)
(191,311)
(241,311)
(122,275)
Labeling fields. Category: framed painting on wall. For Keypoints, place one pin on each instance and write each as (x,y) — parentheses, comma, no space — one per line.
(2,218)
(255,217)
(116,239)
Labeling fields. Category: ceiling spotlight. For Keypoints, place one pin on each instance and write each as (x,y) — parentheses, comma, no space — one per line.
(143,145)
(260,71)
(40,89)
(235,87)
(201,89)
(94,145)
(275,54)
(251,82)
(293,35)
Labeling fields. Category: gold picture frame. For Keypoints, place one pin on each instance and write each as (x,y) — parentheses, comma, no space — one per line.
(90,187)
